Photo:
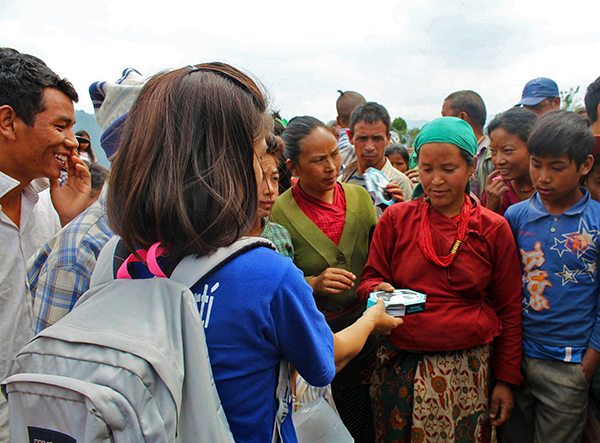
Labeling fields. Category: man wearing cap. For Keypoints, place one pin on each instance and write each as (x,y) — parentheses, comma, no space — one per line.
(540,95)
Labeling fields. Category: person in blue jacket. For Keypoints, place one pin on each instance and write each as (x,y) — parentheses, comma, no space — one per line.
(558,234)
(187,175)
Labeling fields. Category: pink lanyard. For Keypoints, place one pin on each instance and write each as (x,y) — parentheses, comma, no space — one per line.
(148,257)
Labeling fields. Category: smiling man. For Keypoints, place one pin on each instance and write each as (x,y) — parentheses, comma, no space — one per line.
(36,144)
(370,126)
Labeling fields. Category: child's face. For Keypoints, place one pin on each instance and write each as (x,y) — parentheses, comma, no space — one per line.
(398,162)
(592,183)
(557,180)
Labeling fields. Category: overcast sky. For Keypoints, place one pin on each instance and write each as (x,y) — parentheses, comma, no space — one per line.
(406,55)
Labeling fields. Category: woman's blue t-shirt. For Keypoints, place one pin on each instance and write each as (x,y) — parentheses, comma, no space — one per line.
(257,309)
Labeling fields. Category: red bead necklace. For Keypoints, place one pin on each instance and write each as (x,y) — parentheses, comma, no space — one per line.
(425,239)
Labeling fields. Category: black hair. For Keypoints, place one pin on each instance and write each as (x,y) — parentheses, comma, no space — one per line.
(278,123)
(297,130)
(516,121)
(469,102)
(396,148)
(8,52)
(275,147)
(370,112)
(99,174)
(23,79)
(592,99)
(560,132)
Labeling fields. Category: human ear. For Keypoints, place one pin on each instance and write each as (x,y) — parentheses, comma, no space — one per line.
(474,165)
(7,122)
(587,164)
(291,167)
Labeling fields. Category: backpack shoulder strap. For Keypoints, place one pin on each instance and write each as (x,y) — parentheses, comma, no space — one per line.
(283,395)
(193,268)
(103,271)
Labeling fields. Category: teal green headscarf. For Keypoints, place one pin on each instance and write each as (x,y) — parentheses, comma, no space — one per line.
(446,130)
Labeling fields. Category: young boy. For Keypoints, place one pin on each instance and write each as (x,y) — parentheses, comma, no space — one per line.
(558,234)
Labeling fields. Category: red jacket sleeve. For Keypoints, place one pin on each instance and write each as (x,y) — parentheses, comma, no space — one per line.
(378,268)
(505,297)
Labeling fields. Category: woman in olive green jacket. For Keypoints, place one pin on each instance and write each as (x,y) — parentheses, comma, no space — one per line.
(330,225)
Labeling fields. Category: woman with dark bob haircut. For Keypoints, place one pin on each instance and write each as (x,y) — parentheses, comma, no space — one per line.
(186,175)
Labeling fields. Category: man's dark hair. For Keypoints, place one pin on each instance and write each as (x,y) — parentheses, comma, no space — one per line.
(560,132)
(516,121)
(370,112)
(469,102)
(592,99)
(8,52)
(23,79)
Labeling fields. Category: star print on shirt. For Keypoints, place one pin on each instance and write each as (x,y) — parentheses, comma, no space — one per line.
(559,246)
(590,268)
(578,242)
(567,275)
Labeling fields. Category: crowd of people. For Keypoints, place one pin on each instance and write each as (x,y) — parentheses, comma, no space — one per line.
(498,224)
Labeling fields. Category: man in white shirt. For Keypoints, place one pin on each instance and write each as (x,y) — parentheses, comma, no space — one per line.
(370,127)
(36,144)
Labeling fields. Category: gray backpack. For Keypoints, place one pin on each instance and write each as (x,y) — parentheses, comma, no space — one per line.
(128,364)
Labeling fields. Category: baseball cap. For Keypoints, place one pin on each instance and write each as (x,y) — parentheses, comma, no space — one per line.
(536,90)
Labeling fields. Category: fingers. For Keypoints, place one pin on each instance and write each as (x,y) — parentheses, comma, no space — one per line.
(335,281)
(501,404)
(395,191)
(413,174)
(495,173)
(384,324)
(384,286)
(505,411)
(494,407)
(495,186)
(342,274)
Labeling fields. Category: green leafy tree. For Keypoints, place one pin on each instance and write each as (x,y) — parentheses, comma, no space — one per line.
(399,125)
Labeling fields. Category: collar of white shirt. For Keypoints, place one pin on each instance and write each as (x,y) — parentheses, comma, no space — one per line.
(7,184)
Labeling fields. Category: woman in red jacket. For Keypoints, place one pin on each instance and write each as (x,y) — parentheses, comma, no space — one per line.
(433,376)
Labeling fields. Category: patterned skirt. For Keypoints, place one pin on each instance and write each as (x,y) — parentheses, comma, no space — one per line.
(431,397)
